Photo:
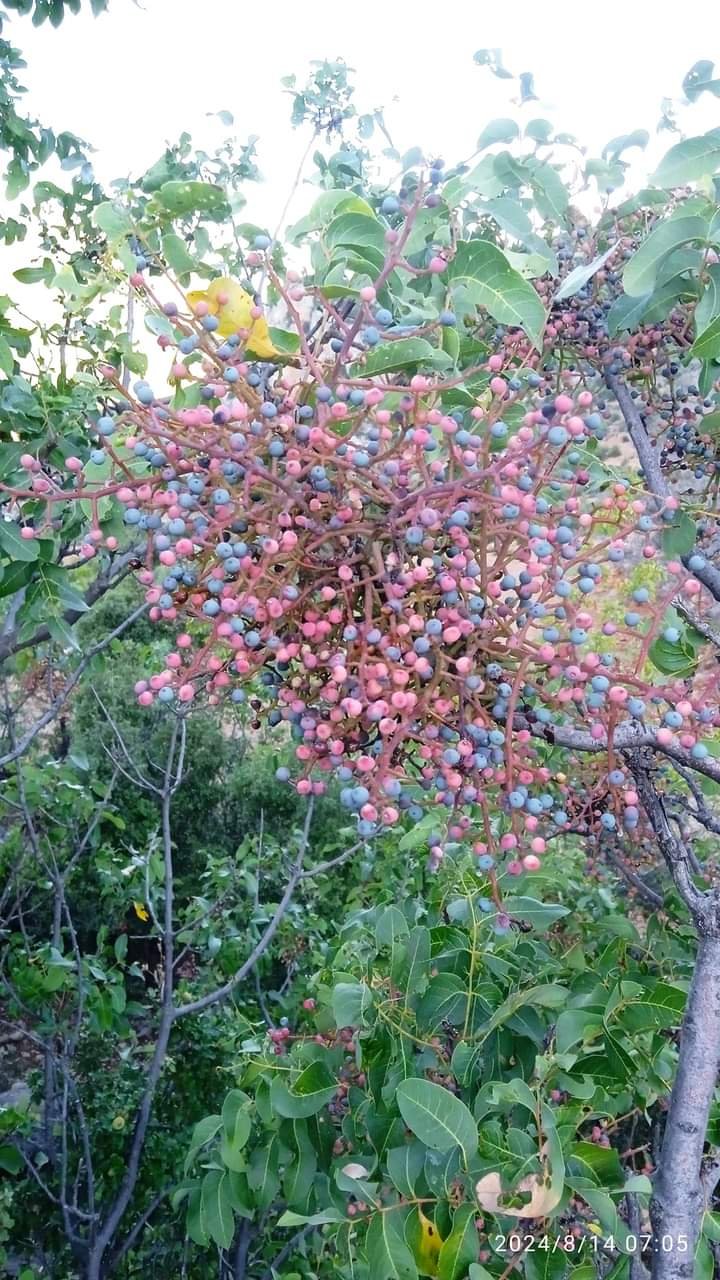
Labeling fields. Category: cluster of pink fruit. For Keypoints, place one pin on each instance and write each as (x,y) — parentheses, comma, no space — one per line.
(417,585)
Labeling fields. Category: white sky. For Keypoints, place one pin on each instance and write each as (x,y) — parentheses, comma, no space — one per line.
(135,77)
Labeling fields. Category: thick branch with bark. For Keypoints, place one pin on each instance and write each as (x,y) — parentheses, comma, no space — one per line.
(679,1193)
(683,1184)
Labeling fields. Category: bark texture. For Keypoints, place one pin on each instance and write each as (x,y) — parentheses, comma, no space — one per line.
(679,1198)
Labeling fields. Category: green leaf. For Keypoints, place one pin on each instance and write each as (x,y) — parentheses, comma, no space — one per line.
(673,657)
(616,146)
(708,306)
(707,346)
(356,229)
(600,1164)
(7,359)
(704,1261)
(541,915)
(262,1174)
(194,1222)
(437,1117)
(10,1159)
(626,313)
(180,198)
(35,275)
(460,1248)
(18,177)
(298,1176)
(388,1256)
(418,833)
(450,341)
(405,353)
(502,130)
(290,1219)
(539,130)
(237,1126)
(324,210)
(15,547)
(285,340)
(417,959)
(481,276)
(546,1264)
(113,219)
(15,576)
(678,538)
(175,253)
(203,1133)
(577,279)
(641,271)
(405,1165)
(699,79)
(216,1208)
(158,324)
(445,1000)
(689,160)
(512,218)
(308,1094)
(350,1003)
(548,996)
(62,634)
(391,924)
(551,195)
(574,1026)
(658,1007)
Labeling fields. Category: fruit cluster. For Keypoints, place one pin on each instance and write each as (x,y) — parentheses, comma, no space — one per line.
(415,585)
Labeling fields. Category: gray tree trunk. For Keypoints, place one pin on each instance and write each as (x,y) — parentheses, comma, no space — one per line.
(679,1198)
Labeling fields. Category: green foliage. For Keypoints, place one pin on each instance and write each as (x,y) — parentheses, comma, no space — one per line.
(389,1097)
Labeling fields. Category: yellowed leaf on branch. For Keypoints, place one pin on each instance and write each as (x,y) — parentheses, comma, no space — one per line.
(541,1202)
(227,300)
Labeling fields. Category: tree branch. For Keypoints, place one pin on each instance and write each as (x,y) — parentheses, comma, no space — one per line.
(286,1251)
(111,1221)
(680,1197)
(59,702)
(654,478)
(10,641)
(648,895)
(221,993)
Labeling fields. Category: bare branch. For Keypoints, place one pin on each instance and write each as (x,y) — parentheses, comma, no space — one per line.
(221,993)
(322,867)
(126,1245)
(648,895)
(286,1251)
(672,849)
(627,736)
(111,1221)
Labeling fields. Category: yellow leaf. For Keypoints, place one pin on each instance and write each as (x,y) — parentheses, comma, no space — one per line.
(542,1199)
(141,911)
(428,1246)
(227,300)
